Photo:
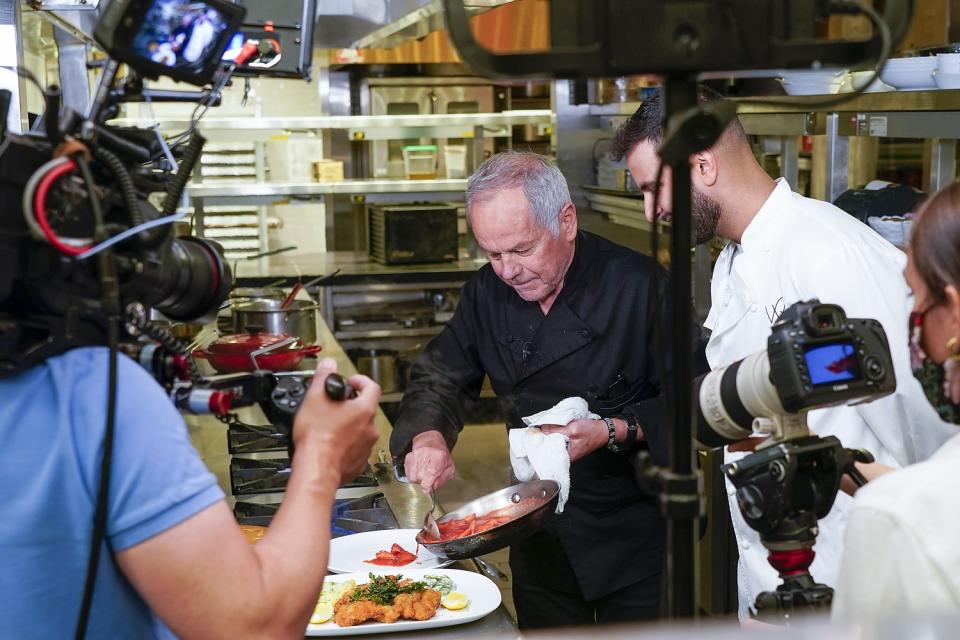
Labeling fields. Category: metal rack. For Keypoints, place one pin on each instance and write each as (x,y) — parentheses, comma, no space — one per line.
(473,126)
(931,115)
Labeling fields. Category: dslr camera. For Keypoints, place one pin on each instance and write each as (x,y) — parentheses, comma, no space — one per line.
(816,357)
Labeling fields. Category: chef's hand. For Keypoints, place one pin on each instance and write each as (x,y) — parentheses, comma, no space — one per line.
(338,433)
(585,436)
(429,462)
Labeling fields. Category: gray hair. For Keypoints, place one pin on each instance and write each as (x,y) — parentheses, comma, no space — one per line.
(543,185)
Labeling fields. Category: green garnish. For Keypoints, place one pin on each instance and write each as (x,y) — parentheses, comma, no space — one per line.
(383,589)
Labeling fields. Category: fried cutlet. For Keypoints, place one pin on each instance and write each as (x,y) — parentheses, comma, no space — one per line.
(419,605)
(348,614)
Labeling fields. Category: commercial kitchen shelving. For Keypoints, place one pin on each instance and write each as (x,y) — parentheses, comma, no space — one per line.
(473,126)
(931,115)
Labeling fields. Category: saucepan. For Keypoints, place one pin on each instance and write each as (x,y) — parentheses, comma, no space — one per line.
(250,351)
(540,495)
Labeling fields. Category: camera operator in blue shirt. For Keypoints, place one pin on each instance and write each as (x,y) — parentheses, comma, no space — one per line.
(177,560)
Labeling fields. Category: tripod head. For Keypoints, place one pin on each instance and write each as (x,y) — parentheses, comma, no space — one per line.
(782,491)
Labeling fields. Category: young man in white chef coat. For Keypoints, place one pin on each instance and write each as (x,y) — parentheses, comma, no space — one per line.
(784,248)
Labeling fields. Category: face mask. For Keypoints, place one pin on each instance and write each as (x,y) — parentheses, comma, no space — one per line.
(941,383)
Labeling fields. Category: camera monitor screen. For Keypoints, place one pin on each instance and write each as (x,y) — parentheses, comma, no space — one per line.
(832,363)
(180,34)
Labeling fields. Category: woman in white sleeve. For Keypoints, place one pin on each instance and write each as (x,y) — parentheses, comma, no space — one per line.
(902,547)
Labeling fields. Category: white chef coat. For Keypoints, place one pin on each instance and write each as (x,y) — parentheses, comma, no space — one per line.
(797,249)
(901,555)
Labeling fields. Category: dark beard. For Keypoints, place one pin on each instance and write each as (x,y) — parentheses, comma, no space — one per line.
(706,216)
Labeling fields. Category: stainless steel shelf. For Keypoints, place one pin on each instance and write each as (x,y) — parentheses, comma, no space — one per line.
(388,333)
(355,123)
(277,190)
(940,100)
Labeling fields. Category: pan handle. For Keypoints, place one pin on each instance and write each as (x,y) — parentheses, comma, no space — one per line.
(311,350)
(270,347)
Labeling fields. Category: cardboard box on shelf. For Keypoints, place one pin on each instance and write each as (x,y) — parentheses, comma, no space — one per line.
(929,27)
(847,27)
(327,171)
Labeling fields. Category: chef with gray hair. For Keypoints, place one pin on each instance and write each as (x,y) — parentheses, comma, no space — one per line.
(557,313)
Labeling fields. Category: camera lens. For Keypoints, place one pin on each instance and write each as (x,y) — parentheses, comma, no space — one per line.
(195,279)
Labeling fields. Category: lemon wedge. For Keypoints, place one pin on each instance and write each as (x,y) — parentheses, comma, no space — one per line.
(322,613)
(454,601)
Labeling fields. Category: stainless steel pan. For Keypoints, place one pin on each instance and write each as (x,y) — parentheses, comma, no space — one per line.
(546,493)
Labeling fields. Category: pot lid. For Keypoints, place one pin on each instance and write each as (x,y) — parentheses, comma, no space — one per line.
(247,343)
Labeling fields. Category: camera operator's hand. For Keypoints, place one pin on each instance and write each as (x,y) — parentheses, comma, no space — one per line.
(429,462)
(340,432)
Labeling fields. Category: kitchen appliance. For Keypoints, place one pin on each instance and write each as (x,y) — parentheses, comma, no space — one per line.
(543,493)
(424,96)
(413,233)
(257,475)
(351,514)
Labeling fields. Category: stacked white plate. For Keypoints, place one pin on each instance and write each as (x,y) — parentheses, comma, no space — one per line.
(856,79)
(910,74)
(945,80)
(811,83)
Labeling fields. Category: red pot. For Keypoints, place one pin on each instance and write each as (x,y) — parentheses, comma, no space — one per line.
(236,353)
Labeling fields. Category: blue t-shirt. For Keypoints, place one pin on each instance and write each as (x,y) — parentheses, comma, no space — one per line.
(52,420)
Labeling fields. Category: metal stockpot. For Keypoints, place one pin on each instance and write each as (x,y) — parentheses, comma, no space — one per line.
(380,365)
(298,319)
(242,295)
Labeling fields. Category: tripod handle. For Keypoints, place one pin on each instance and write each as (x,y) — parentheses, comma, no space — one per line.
(852,457)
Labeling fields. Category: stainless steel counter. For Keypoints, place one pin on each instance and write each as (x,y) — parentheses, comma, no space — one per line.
(409,505)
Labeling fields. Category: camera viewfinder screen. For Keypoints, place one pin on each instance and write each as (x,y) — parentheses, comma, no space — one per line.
(180,34)
(831,363)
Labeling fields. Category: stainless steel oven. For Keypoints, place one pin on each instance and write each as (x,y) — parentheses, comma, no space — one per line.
(411,96)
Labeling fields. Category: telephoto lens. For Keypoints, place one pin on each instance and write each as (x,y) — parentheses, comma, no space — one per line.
(732,397)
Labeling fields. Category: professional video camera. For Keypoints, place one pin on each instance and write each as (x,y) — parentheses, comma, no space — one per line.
(816,357)
(85,257)
(80,189)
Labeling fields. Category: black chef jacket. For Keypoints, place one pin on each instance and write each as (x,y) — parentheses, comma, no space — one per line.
(595,342)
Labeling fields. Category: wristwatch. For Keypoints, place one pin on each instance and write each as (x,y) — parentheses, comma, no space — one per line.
(632,428)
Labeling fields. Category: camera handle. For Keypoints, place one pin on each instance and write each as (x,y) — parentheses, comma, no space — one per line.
(781,428)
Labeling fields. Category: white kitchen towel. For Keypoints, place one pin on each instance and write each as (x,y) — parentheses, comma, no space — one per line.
(536,454)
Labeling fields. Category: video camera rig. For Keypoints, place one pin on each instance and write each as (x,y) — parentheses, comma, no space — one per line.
(84,254)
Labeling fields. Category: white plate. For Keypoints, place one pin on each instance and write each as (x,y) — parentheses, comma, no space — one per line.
(482,594)
(347,553)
